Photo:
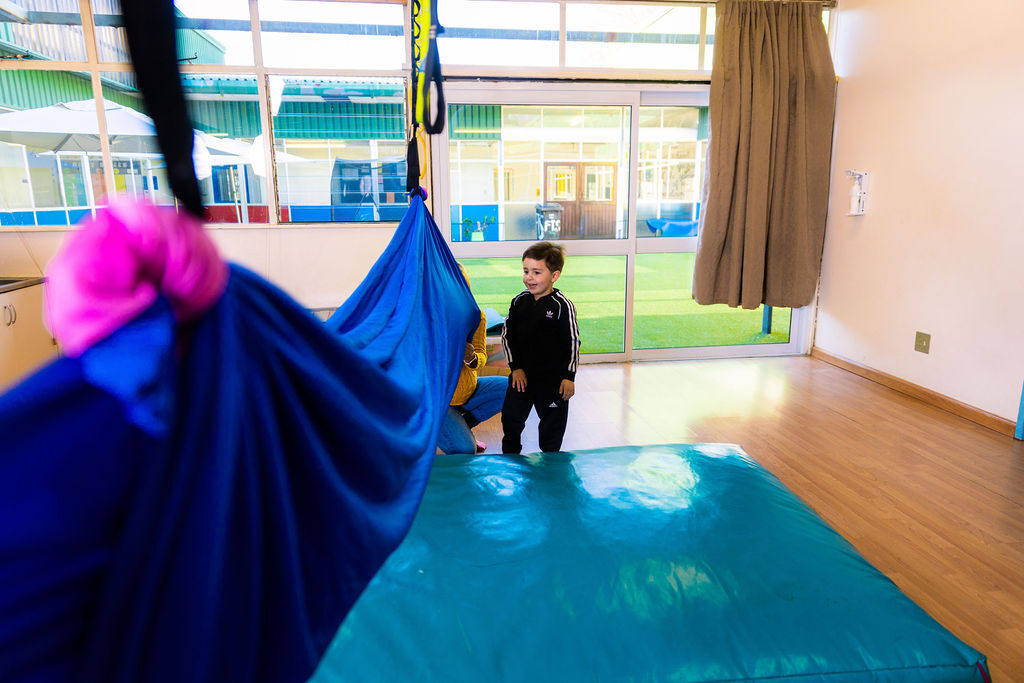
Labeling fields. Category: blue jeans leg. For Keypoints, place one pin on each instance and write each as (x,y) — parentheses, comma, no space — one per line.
(455,436)
(486,401)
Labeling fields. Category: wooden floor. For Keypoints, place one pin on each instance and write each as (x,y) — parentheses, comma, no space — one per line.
(932,500)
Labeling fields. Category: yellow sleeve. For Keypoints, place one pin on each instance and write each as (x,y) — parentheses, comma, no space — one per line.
(467,377)
(480,341)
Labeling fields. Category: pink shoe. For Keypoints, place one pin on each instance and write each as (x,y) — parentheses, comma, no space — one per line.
(481,447)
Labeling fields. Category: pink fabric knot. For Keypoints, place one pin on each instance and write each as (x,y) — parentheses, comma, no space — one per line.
(114,267)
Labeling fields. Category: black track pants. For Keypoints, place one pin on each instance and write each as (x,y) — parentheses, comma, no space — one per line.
(552,409)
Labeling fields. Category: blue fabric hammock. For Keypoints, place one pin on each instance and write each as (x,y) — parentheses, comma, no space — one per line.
(207,504)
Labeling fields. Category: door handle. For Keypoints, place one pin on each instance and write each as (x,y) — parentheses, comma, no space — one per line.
(8,319)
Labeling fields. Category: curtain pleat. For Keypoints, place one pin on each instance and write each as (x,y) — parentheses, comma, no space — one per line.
(766,194)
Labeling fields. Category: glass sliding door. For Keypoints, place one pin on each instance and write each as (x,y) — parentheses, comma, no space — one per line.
(672,144)
(665,316)
(595,284)
(614,174)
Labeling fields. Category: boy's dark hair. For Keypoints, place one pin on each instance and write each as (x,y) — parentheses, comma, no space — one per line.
(550,253)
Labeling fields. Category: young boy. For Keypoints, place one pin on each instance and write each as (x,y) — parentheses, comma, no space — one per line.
(542,344)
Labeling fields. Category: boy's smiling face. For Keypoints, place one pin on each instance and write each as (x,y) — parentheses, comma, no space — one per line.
(537,278)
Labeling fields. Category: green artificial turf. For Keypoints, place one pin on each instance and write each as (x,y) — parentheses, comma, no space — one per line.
(664,312)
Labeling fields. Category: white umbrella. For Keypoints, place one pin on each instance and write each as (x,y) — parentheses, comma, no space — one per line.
(73,126)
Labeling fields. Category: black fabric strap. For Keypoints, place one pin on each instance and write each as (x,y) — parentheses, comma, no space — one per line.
(412,155)
(149,26)
(431,65)
(412,164)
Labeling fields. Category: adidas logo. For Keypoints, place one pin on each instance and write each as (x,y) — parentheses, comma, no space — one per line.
(551,314)
(553,405)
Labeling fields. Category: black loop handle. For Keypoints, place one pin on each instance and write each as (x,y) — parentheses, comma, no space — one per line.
(432,77)
(149,26)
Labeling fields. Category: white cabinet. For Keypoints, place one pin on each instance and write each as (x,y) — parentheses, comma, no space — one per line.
(25,343)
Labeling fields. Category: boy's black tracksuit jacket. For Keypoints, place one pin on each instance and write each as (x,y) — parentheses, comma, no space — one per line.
(542,338)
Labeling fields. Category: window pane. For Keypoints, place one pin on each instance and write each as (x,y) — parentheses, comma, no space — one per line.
(680,183)
(677,151)
(522,182)
(562,117)
(559,172)
(602,117)
(339,152)
(482,149)
(111,44)
(666,316)
(482,33)
(343,35)
(561,183)
(139,167)
(600,150)
(649,173)
(214,32)
(208,33)
(478,183)
(60,41)
(632,36)
(600,182)
(228,148)
(521,117)
(595,284)
(561,150)
(679,117)
(521,150)
(16,200)
(709,39)
(51,170)
(229,156)
(670,170)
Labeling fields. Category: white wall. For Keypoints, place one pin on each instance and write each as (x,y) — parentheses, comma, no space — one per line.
(931,104)
(318,266)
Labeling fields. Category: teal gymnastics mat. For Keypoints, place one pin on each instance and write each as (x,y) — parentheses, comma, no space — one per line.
(678,563)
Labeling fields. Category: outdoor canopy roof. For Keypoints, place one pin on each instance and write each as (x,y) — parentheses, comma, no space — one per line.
(74,126)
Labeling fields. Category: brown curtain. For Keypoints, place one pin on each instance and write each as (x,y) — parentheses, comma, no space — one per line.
(766,195)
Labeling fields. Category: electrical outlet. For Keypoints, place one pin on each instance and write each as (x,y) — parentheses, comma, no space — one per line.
(922,342)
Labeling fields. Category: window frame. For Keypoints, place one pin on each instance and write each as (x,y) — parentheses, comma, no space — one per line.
(599,94)
(95,68)
(561,70)
(630,88)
